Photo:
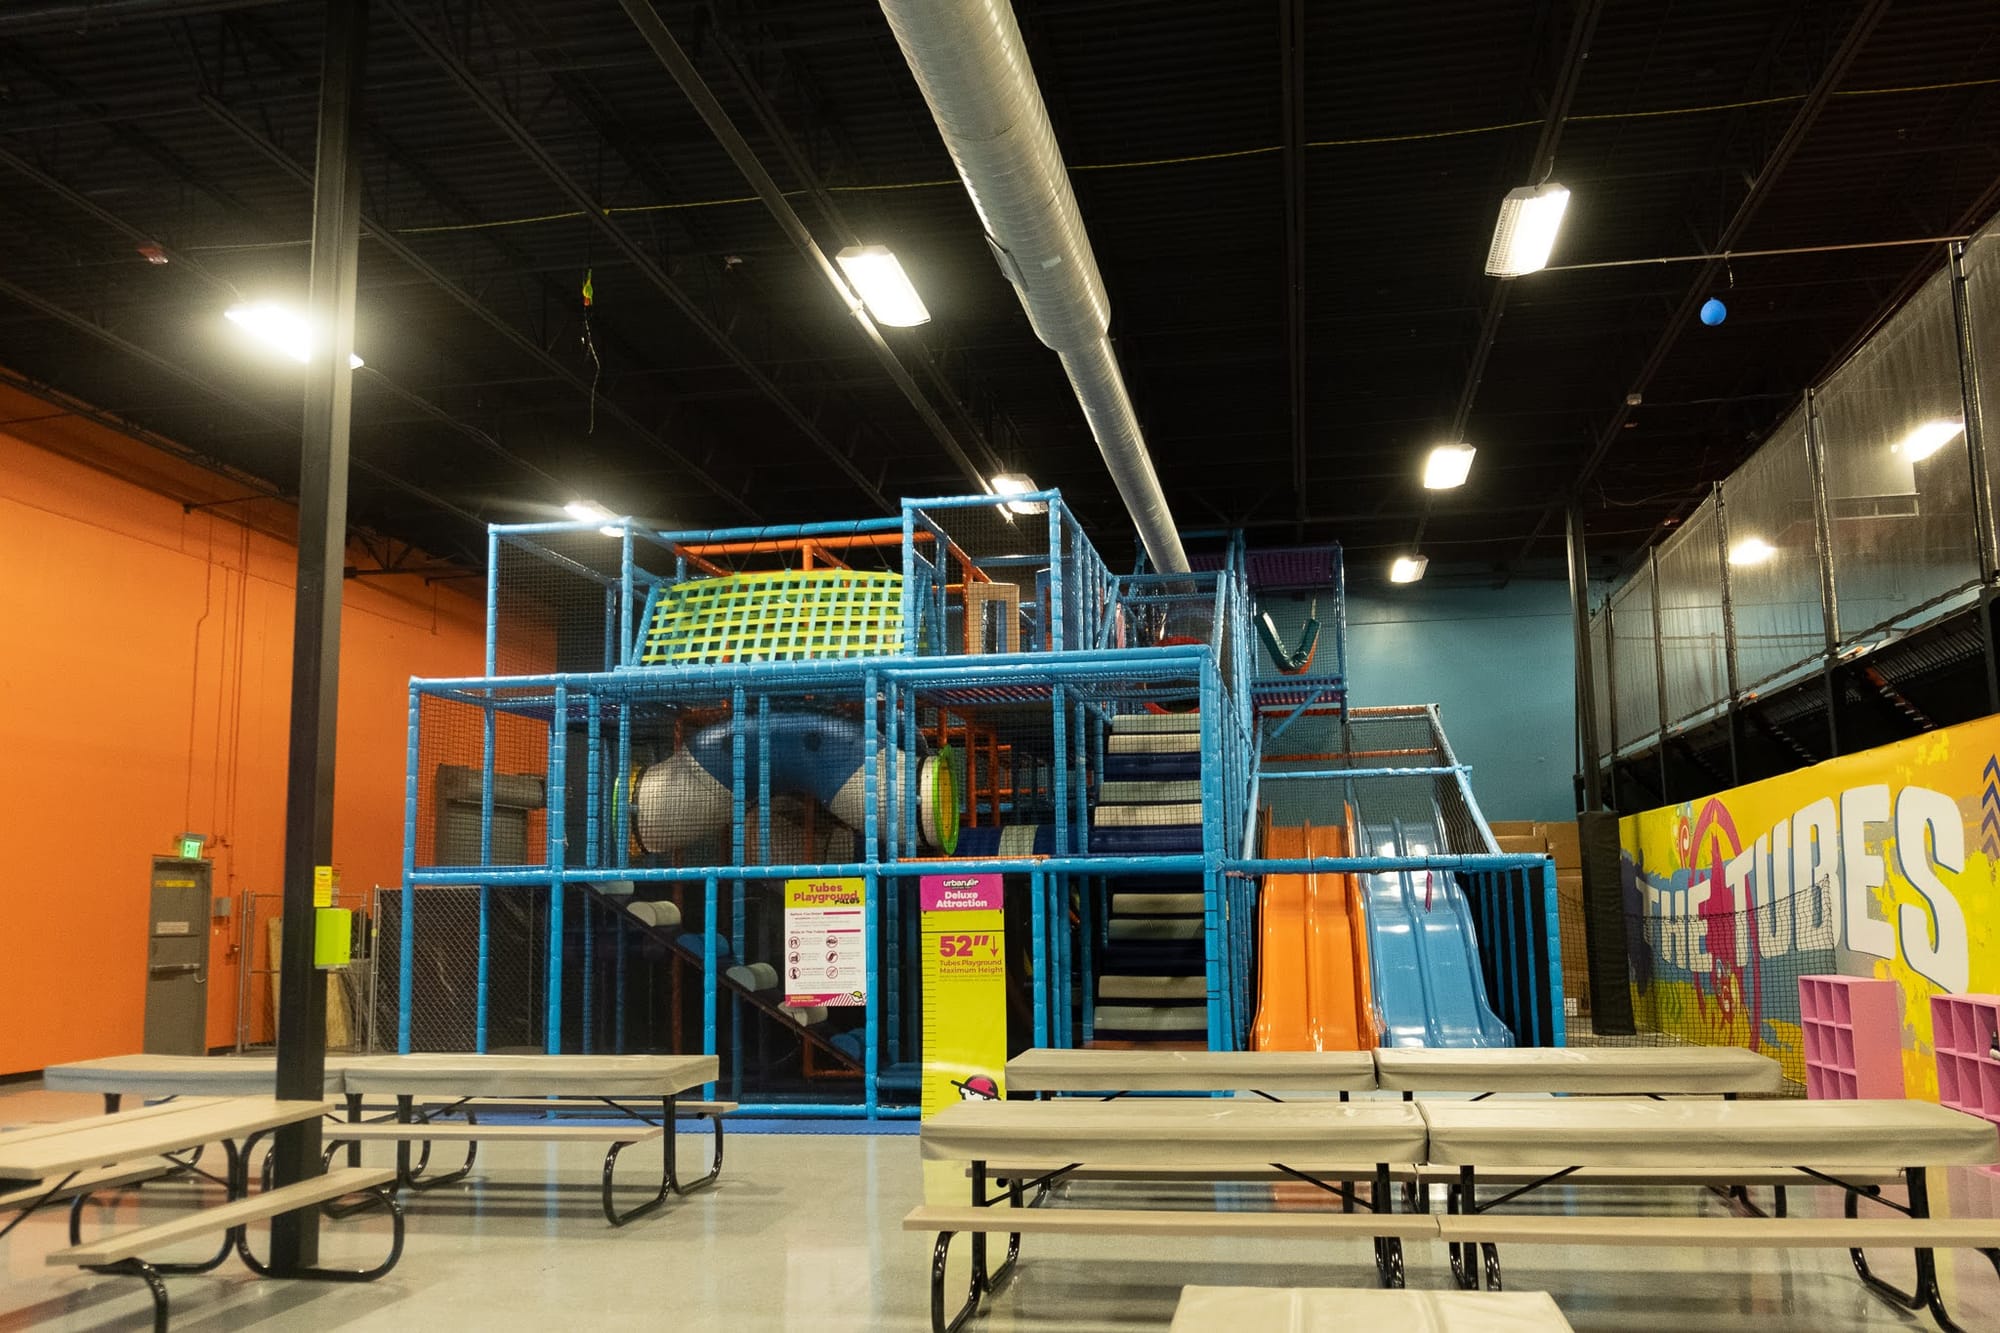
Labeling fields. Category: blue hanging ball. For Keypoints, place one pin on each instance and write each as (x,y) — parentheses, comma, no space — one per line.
(1713,312)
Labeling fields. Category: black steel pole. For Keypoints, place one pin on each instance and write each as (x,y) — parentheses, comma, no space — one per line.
(316,625)
(1586,684)
(1731,689)
(1982,475)
(1829,596)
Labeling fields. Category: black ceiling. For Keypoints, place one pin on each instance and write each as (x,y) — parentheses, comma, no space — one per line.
(733,389)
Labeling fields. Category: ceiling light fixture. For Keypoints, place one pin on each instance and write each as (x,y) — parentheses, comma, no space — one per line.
(1751,551)
(1448,466)
(1019,483)
(1408,568)
(1928,438)
(1526,231)
(589,511)
(280,329)
(884,288)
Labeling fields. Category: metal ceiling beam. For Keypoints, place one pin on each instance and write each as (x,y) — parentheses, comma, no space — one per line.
(68,405)
(91,208)
(183,263)
(254,32)
(675,61)
(1569,75)
(86,16)
(1292,123)
(384,237)
(256,411)
(138,141)
(469,83)
(802,170)
(1292,66)
(1582,30)
(1802,121)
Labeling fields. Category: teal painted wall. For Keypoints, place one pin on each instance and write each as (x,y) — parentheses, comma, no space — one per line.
(1498,662)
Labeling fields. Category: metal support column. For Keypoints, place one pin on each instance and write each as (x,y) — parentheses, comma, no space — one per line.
(1731,713)
(1829,601)
(1659,668)
(1586,686)
(1982,479)
(316,625)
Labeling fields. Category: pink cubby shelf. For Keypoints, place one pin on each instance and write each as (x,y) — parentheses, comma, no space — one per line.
(1965,1029)
(1853,1037)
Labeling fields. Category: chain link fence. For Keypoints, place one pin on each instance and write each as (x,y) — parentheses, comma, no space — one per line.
(444,993)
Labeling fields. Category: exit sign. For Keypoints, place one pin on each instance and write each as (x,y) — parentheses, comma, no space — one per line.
(191,844)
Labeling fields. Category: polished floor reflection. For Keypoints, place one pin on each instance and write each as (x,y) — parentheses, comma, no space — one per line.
(803,1233)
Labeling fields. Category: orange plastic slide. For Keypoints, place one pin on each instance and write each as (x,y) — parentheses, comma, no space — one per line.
(1312,992)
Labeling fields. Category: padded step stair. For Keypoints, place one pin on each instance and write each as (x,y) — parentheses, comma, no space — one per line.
(1150,793)
(1156,904)
(1156,928)
(1178,766)
(1192,989)
(1130,723)
(1147,816)
(1146,840)
(1178,1019)
(1152,971)
(1153,742)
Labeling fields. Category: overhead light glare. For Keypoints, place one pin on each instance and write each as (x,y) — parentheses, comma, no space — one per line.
(589,511)
(1751,551)
(884,288)
(1019,483)
(1408,568)
(1928,438)
(1526,231)
(282,330)
(1448,466)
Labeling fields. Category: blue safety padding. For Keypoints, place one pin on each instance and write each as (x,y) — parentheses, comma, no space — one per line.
(985,841)
(1157,840)
(1173,766)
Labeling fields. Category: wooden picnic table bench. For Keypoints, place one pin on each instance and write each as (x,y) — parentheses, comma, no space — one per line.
(1325,1144)
(73,1159)
(1824,1140)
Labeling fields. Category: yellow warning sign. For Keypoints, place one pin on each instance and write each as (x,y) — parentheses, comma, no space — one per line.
(965,990)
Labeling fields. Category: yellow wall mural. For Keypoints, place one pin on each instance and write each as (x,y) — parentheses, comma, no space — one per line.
(1882,864)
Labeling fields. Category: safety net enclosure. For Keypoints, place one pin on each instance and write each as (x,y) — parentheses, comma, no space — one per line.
(680,733)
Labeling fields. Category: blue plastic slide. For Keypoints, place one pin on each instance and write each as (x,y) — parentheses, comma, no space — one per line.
(1428,984)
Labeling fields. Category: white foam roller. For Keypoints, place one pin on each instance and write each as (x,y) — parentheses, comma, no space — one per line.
(754,976)
(656,913)
(805,1018)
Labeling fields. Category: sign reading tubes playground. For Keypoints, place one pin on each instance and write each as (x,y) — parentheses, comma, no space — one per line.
(1882,864)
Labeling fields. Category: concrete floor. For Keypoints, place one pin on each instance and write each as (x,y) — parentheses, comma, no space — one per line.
(802,1232)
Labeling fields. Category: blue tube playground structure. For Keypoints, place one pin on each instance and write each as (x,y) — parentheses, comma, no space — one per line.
(598,836)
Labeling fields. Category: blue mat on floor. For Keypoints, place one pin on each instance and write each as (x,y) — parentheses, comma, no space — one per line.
(739,1124)
(760,1125)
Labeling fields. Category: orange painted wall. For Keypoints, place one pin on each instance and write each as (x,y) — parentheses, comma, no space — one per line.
(145,657)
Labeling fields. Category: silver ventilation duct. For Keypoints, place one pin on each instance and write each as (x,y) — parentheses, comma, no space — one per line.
(973,69)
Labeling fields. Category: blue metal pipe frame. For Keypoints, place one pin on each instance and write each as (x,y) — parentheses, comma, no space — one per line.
(558,852)
(1067,670)
(406,951)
